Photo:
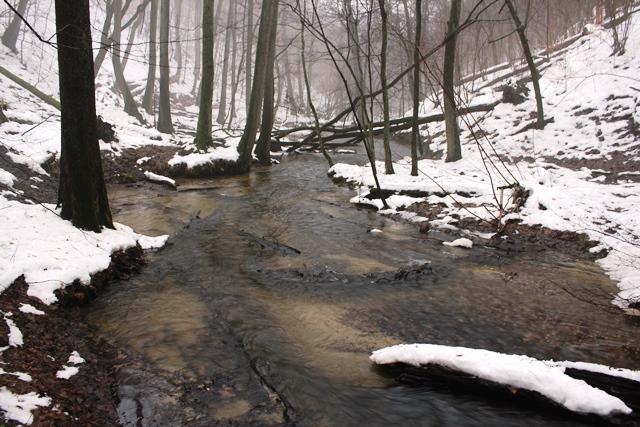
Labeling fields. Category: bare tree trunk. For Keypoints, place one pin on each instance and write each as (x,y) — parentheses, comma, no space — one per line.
(176,42)
(290,98)
(415,131)
(150,91)
(130,106)
(10,36)
(388,161)
(104,40)
(132,36)
(82,193)
(198,58)
(222,109)
(234,58)
(165,123)
(268,19)
(307,85)
(263,146)
(3,118)
(301,90)
(249,53)
(454,151)
(203,135)
(535,76)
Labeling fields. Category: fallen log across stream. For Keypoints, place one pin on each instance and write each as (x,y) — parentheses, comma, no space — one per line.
(353,133)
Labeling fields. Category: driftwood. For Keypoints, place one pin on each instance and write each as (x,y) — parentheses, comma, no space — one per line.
(28,86)
(353,133)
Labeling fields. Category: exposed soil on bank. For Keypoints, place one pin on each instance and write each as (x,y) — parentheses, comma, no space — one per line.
(86,398)
(515,237)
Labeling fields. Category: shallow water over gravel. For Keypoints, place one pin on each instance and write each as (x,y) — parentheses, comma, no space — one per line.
(265,309)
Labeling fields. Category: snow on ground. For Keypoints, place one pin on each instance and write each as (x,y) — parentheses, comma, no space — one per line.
(521,372)
(67,372)
(18,407)
(51,253)
(228,152)
(589,95)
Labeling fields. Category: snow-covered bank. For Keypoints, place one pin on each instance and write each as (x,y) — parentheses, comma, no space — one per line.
(544,377)
(580,172)
(51,253)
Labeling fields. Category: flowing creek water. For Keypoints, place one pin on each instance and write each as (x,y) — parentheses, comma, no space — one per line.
(264,310)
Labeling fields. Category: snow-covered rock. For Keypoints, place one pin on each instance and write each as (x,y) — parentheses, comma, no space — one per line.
(545,378)
(460,243)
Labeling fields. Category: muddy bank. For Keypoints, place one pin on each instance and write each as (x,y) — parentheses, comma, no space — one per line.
(515,237)
(127,167)
(86,398)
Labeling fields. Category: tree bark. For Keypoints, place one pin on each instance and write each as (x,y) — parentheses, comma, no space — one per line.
(263,146)
(388,161)
(165,123)
(415,131)
(150,91)
(203,135)
(454,151)
(82,193)
(268,18)
(535,76)
(10,36)
(130,106)
(222,109)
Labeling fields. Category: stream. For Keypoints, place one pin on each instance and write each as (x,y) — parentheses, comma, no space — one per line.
(269,297)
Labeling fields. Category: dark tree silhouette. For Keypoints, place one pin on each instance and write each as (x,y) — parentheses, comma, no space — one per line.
(82,193)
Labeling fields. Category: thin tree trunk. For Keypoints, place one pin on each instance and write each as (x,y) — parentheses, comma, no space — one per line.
(263,146)
(104,39)
(10,36)
(130,42)
(249,53)
(312,106)
(82,193)
(28,86)
(222,109)
(203,135)
(535,76)
(3,118)
(234,59)
(148,102)
(177,44)
(388,161)
(130,106)
(415,132)
(268,18)
(290,97)
(198,58)
(165,123)
(301,90)
(454,151)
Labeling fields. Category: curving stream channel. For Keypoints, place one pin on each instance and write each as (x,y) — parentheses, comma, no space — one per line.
(264,309)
